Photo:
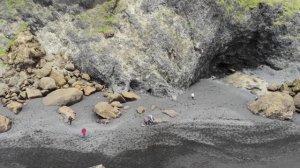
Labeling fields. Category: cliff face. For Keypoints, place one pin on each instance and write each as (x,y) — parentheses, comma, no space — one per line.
(161,46)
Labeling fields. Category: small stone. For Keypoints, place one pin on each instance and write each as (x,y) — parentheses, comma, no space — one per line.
(116,104)
(3,89)
(285,87)
(153,107)
(45,92)
(15,90)
(23,95)
(272,87)
(99,87)
(89,90)
(29,70)
(104,121)
(77,73)
(47,83)
(4,101)
(5,124)
(67,112)
(130,96)
(45,71)
(126,107)
(33,93)
(15,107)
(13,81)
(58,76)
(170,113)
(85,76)
(70,67)
(141,110)
(71,81)
(116,97)
(296,89)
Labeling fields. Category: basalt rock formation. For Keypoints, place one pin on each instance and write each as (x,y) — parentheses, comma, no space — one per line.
(160,46)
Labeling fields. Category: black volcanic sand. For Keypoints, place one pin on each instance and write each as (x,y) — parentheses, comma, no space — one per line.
(215,130)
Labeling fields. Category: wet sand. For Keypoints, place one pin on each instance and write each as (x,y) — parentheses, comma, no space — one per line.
(214,130)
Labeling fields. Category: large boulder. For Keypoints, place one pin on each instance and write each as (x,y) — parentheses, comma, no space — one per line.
(67,112)
(106,110)
(63,97)
(15,107)
(47,83)
(5,124)
(274,105)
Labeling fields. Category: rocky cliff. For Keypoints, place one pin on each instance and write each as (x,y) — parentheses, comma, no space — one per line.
(160,46)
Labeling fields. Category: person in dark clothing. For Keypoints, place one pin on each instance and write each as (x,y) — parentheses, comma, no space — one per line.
(70,120)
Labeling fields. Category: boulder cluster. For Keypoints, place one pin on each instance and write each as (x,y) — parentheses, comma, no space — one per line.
(112,108)
(281,102)
(28,72)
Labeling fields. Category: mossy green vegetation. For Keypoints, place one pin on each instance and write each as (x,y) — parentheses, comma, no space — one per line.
(23,26)
(2,52)
(102,18)
(104,29)
(14,3)
(239,8)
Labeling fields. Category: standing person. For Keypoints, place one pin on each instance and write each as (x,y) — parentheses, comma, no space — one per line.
(83,132)
(193,96)
(150,120)
(70,120)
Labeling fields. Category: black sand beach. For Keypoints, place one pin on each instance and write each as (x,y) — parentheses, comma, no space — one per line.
(214,130)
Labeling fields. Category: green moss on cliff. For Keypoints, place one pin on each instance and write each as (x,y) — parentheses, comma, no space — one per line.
(239,8)
(14,3)
(102,18)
